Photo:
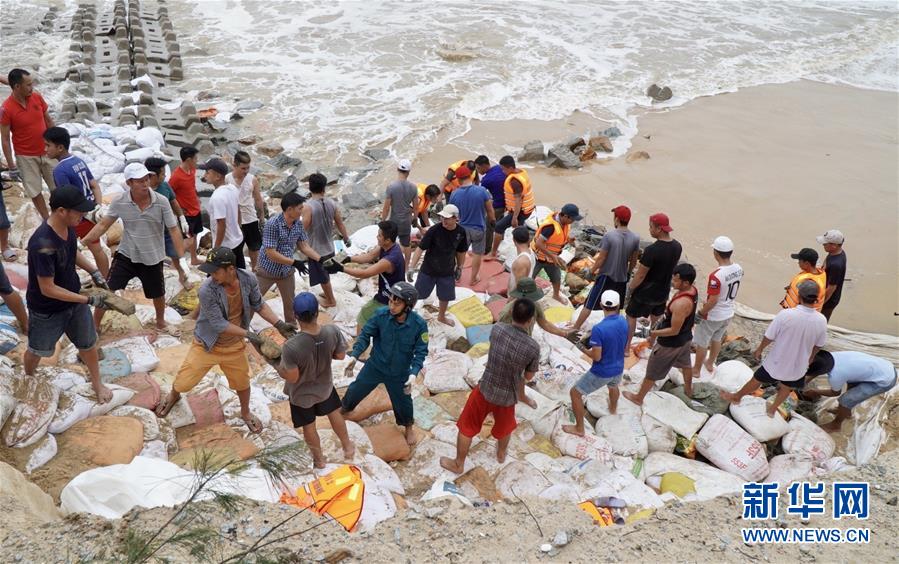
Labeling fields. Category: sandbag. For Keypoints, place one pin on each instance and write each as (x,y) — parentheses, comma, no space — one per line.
(155,449)
(378,401)
(622,484)
(751,414)
(102,440)
(231,405)
(70,409)
(7,401)
(115,363)
(36,401)
(588,446)
(186,301)
(9,338)
(709,481)
(520,479)
(42,453)
(382,474)
(785,469)
(597,403)
(445,371)
(479,350)
(545,418)
(659,437)
(732,449)
(706,398)
(146,390)
(140,353)
(206,408)
(149,137)
(388,442)
(808,439)
(120,396)
(556,383)
(477,334)
(667,409)
(731,375)
(558,314)
(471,312)
(624,433)
(66,380)
(146,418)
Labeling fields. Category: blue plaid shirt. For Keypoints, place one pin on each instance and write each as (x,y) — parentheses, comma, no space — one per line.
(276,235)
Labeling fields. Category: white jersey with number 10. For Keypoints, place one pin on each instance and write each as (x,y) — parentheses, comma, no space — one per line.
(724,282)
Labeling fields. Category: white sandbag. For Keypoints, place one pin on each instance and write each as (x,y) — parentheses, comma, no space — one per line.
(670,410)
(41,454)
(445,371)
(141,155)
(868,434)
(180,415)
(447,432)
(440,334)
(444,488)
(556,383)
(259,404)
(271,383)
(586,473)
(566,493)
(785,469)
(277,306)
(474,374)
(597,403)
(9,338)
(520,479)
(378,505)
(339,374)
(623,485)
(595,317)
(808,439)
(751,414)
(732,449)
(730,376)
(344,282)
(545,417)
(536,217)
(146,417)
(155,449)
(362,240)
(66,380)
(382,474)
(149,137)
(709,481)
(588,446)
(139,352)
(659,437)
(70,409)
(835,464)
(347,309)
(120,396)
(568,358)
(7,401)
(36,401)
(147,314)
(624,433)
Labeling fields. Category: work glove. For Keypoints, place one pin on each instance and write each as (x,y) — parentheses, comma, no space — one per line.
(350,367)
(410,276)
(345,260)
(457,274)
(286,329)
(182,223)
(333,267)
(97,300)
(407,388)
(254,338)
(301,267)
(98,279)
(324,258)
(347,242)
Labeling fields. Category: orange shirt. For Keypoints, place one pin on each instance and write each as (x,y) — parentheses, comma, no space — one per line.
(185,186)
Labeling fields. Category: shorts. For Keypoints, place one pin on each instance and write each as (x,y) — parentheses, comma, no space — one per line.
(4,217)
(302,416)
(317,273)
(476,409)
(45,329)
(240,261)
(602,284)
(232,359)
(636,308)
(477,240)
(857,393)
(85,227)
(663,359)
(707,331)
(252,235)
(446,286)
(404,239)
(170,247)
(32,170)
(5,287)
(505,221)
(123,270)
(194,224)
(762,376)
(367,311)
(552,270)
(590,382)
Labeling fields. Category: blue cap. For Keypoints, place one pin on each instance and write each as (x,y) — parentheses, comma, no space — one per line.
(572,211)
(305,302)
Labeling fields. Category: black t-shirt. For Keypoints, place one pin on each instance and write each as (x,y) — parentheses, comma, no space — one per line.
(440,246)
(660,257)
(49,255)
(835,267)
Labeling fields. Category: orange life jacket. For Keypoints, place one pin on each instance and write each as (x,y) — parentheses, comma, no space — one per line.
(555,242)
(527,194)
(423,202)
(339,494)
(792,297)
(454,183)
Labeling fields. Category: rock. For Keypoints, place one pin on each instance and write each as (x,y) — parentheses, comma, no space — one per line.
(585,153)
(248,140)
(575,142)
(285,161)
(658,93)
(455,53)
(333,173)
(637,156)
(358,198)
(575,283)
(612,132)
(285,186)
(561,156)
(208,94)
(248,106)
(459,344)
(561,539)
(601,143)
(894,501)
(737,349)
(270,148)
(533,151)
(377,154)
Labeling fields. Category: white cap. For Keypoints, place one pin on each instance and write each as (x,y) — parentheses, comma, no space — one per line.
(135,171)
(404,165)
(723,244)
(449,210)
(610,299)
(832,236)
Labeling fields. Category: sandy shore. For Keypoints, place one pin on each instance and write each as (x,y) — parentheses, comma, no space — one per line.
(770,166)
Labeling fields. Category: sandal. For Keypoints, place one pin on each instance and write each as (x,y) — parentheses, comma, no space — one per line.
(10,255)
(170,331)
(253,424)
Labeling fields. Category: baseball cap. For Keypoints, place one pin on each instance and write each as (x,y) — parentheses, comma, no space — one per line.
(723,244)
(571,211)
(305,302)
(217,258)
(449,210)
(610,299)
(622,213)
(404,165)
(463,172)
(662,221)
(833,236)
(806,254)
(215,164)
(69,197)
(135,171)
(808,289)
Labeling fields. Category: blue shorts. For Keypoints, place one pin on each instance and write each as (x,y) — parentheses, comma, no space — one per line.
(602,284)
(446,286)
(857,393)
(317,273)
(5,286)
(45,329)
(590,382)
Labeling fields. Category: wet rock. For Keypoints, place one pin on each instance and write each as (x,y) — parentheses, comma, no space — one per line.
(270,148)
(208,94)
(637,156)
(285,161)
(575,283)
(455,53)
(248,140)
(333,173)
(284,187)
(533,151)
(358,198)
(585,153)
(574,142)
(601,143)
(377,154)
(561,156)
(248,106)
(612,132)
(659,94)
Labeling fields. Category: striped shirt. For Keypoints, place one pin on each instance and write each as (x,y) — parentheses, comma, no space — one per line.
(143,241)
(278,236)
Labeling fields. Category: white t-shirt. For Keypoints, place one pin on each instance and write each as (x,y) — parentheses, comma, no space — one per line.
(223,204)
(795,332)
(724,282)
(248,212)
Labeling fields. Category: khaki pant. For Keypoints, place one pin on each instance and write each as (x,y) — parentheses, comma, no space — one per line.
(33,169)
(286,287)
(232,359)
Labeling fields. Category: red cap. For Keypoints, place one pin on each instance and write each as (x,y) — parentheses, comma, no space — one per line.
(622,213)
(462,172)
(661,220)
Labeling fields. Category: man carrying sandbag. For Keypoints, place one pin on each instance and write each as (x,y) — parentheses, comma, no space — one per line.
(228,300)
(399,339)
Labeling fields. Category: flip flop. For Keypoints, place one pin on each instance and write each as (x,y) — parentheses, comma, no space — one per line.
(253,424)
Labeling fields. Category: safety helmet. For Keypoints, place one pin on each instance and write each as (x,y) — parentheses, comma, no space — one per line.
(405,292)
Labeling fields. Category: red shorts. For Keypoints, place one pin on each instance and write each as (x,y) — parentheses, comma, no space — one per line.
(84,228)
(476,410)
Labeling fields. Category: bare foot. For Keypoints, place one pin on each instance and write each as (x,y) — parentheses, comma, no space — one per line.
(771,410)
(627,351)
(529,402)
(196,262)
(732,398)
(710,368)
(572,429)
(501,453)
(832,427)
(475,280)
(613,410)
(490,257)
(103,393)
(410,436)
(451,464)
(561,299)
(327,304)
(446,321)
(349,453)
(318,462)
(632,397)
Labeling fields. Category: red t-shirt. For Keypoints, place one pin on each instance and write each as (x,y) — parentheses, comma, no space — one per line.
(26,124)
(185,186)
